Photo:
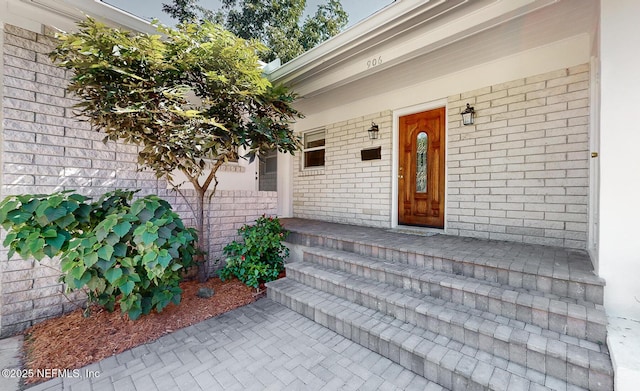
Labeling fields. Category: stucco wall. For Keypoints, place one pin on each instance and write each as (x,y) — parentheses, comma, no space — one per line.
(45,148)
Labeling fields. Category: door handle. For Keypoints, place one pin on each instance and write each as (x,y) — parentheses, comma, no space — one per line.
(400,176)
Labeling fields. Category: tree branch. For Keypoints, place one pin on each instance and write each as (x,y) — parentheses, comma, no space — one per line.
(212,174)
(177,189)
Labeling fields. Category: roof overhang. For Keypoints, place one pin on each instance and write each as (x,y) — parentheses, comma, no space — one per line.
(398,33)
(77,10)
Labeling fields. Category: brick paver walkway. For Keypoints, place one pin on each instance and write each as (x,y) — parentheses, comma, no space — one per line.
(262,346)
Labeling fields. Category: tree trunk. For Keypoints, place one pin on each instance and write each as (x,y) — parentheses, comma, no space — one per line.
(203,236)
(201,225)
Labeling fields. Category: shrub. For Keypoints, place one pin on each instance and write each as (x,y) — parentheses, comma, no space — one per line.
(260,258)
(129,253)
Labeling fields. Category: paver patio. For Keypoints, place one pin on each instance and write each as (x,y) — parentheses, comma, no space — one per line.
(262,346)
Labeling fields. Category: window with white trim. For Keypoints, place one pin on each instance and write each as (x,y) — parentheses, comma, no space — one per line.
(313,152)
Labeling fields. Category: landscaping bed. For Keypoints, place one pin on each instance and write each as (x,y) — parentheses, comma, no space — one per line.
(73,341)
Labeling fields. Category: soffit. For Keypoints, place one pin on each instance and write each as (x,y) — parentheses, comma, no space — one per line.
(413,32)
(530,31)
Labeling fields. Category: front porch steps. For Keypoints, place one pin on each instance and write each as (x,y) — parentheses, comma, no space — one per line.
(463,330)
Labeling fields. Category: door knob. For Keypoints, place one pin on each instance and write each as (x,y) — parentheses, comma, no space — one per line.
(400,176)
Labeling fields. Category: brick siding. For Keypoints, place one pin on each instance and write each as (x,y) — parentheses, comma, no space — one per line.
(45,148)
(521,173)
(347,189)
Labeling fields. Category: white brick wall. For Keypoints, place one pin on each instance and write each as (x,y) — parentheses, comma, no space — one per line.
(45,148)
(347,189)
(521,172)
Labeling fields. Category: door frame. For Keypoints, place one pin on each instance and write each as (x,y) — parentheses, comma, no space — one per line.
(395,154)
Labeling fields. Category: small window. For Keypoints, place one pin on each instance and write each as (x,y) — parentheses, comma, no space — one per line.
(314,149)
(271,164)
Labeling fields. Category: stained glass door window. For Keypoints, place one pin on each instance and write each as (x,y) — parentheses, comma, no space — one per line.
(422,145)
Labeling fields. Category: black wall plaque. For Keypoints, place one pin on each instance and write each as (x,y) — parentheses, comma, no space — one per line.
(371,154)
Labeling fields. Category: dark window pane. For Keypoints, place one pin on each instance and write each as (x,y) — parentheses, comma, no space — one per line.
(271,164)
(314,158)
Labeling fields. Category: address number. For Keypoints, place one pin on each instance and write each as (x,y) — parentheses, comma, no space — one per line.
(374,62)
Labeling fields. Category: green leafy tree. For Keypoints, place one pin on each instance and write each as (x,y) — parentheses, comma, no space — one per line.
(191,98)
(278,24)
(188,11)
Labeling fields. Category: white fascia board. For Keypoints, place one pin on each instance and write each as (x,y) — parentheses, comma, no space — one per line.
(367,29)
(316,71)
(79,9)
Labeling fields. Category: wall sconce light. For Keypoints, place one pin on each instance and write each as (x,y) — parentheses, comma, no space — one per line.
(467,115)
(373,131)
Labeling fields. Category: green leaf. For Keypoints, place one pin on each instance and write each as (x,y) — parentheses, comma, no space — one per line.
(113,274)
(82,281)
(35,243)
(99,285)
(149,257)
(164,258)
(105,265)
(77,271)
(11,236)
(122,228)
(83,212)
(126,262)
(136,207)
(7,205)
(134,312)
(66,221)
(90,259)
(49,233)
(53,214)
(101,233)
(105,252)
(145,215)
(58,241)
(31,205)
(120,250)
(149,237)
(112,239)
(66,265)
(18,217)
(127,287)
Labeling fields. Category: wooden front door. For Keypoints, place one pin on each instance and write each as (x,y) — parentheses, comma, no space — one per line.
(421,169)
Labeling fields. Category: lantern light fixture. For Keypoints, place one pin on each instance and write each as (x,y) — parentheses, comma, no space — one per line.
(468,115)
(373,131)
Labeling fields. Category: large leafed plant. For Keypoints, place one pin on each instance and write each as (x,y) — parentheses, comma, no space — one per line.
(192,98)
(118,252)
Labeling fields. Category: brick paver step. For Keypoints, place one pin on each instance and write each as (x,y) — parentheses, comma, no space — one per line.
(566,273)
(567,358)
(575,318)
(451,364)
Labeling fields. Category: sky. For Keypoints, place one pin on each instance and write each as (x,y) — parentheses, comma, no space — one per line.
(149,9)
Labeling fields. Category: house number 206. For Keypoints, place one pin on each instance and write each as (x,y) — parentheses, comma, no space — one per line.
(374,62)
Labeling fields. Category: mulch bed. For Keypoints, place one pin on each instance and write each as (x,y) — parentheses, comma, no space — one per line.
(73,341)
